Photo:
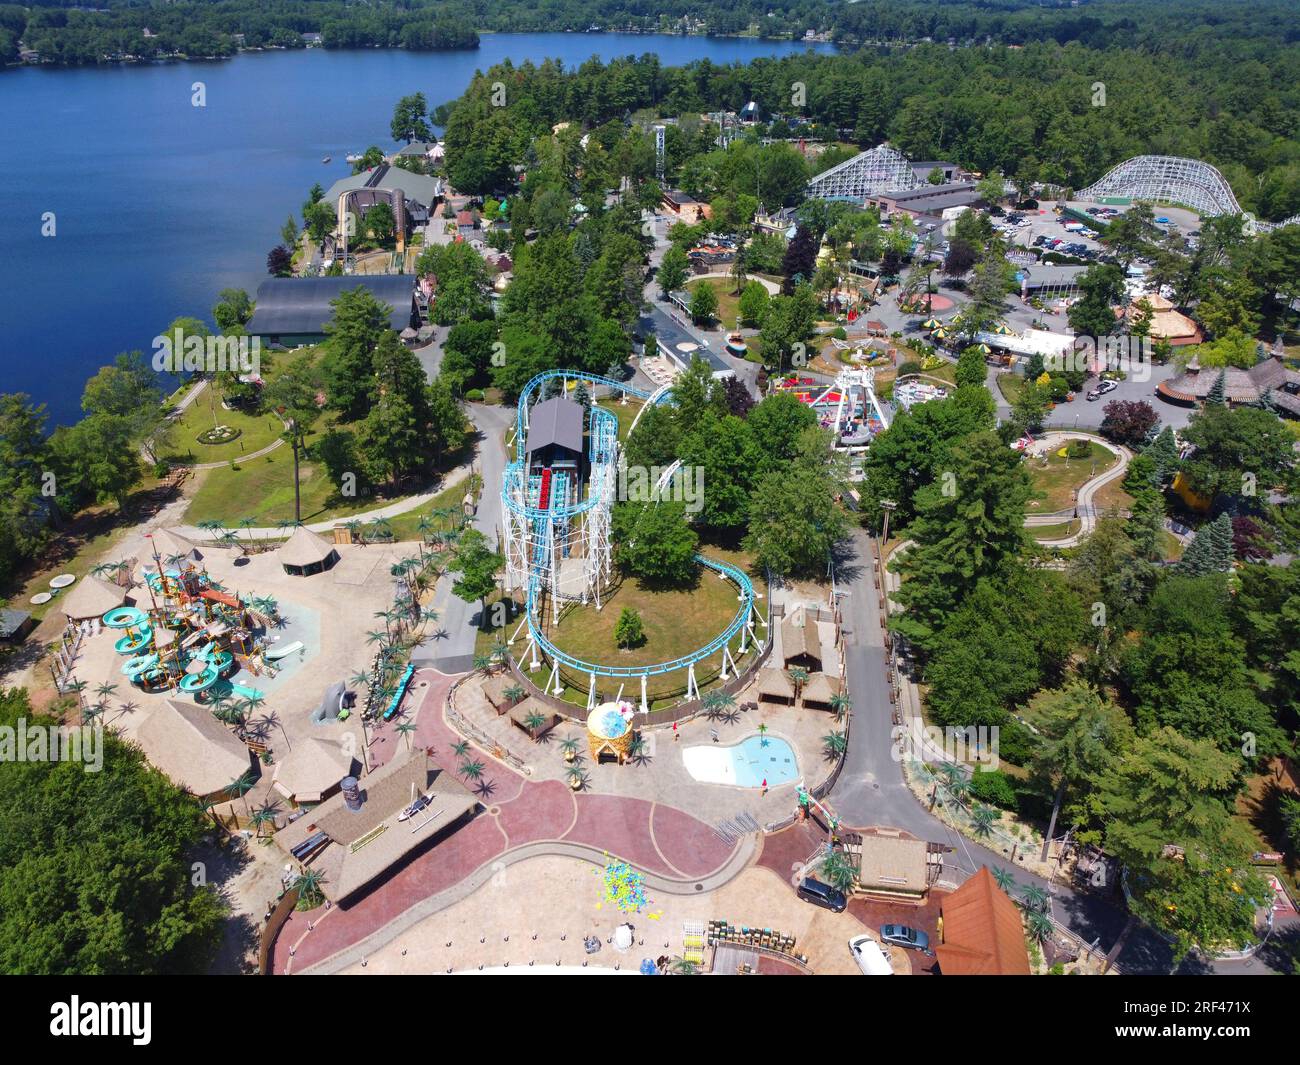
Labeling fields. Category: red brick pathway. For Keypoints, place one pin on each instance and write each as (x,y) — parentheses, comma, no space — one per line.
(652,836)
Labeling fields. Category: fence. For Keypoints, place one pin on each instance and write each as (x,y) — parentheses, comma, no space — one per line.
(271,930)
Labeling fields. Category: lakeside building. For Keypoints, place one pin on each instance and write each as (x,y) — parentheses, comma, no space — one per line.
(294,311)
(420,192)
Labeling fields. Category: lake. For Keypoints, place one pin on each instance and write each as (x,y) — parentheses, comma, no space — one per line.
(158,204)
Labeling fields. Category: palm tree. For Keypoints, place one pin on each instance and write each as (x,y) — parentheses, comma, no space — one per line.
(460,749)
(842,704)
(1039,925)
(361,679)
(533,721)
(514,692)
(569,745)
(577,777)
(405,728)
(308,884)
(482,664)
(106,689)
(1003,878)
(354,530)
(383,528)
(263,815)
(983,818)
(242,786)
(717,703)
(639,750)
(89,714)
(472,770)
(839,870)
(77,686)
(377,637)
(798,677)
(834,744)
(1034,898)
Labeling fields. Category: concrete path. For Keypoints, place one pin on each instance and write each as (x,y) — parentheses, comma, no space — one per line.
(522,818)
(1083,509)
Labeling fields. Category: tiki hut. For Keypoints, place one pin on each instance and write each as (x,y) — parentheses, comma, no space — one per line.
(358,835)
(819,691)
(92,598)
(306,552)
(191,747)
(801,646)
(774,688)
(168,543)
(494,691)
(312,771)
(893,867)
(529,708)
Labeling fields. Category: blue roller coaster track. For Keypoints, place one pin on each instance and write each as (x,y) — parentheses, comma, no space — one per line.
(603,448)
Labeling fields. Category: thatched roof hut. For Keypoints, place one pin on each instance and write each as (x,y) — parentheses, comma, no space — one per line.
(191,747)
(306,552)
(92,598)
(312,771)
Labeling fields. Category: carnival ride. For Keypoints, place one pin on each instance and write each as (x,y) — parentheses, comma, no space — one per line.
(193,637)
(558,543)
(848,407)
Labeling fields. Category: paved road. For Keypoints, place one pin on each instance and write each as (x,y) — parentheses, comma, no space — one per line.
(871,791)
(451,649)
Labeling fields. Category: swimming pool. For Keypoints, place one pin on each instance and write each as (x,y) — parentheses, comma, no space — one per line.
(745,765)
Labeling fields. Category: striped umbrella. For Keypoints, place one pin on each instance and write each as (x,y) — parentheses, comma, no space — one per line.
(931,323)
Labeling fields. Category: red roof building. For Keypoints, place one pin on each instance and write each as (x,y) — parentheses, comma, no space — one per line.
(983,934)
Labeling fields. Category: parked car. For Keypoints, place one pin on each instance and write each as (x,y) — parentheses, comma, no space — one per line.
(870,958)
(900,935)
(1102,388)
(819,894)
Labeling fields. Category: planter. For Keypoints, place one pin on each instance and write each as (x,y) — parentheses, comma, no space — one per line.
(219,434)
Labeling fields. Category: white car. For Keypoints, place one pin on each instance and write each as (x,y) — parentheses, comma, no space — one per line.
(871,959)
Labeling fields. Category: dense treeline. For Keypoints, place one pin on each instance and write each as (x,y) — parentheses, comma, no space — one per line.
(1029,113)
(203,29)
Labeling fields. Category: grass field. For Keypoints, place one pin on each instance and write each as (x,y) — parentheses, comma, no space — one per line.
(728,304)
(625,412)
(256,431)
(676,622)
(1055,484)
(1010,385)
(1059,531)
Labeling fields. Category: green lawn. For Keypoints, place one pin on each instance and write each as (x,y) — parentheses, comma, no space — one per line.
(728,304)
(625,412)
(1055,485)
(1059,531)
(675,622)
(256,431)
(1010,385)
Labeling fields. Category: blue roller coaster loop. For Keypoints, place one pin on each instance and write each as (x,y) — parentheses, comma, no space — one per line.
(604,442)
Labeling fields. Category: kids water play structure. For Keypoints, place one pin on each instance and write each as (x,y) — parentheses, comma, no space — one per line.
(556,499)
(193,637)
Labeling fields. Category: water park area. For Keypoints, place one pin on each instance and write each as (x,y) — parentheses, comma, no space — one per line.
(760,760)
(205,631)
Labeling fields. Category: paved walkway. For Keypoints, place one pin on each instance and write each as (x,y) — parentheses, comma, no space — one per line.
(522,819)
(1086,512)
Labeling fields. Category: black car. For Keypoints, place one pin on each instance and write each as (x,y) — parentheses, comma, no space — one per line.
(819,894)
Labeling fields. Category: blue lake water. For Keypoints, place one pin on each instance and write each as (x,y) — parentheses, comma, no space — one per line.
(159,204)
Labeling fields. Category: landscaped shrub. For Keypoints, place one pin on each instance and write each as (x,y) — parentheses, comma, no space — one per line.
(474,395)
(1080,449)
(909,367)
(994,788)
